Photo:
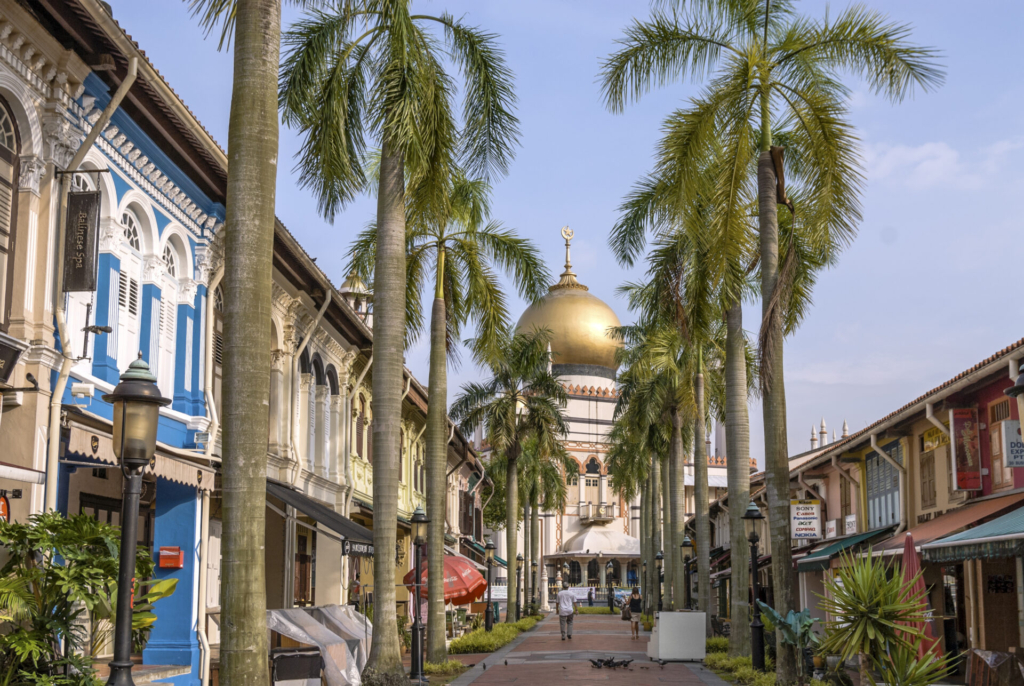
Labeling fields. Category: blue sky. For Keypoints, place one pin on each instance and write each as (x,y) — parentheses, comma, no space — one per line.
(931,285)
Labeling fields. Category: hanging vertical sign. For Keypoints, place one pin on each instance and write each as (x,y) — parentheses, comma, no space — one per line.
(966,457)
(5,508)
(1013,445)
(805,518)
(81,241)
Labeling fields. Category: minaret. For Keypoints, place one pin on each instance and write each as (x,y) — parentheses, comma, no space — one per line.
(823,434)
(814,438)
(846,429)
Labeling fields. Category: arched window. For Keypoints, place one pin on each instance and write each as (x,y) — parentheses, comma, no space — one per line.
(360,418)
(131,229)
(218,299)
(170,260)
(10,148)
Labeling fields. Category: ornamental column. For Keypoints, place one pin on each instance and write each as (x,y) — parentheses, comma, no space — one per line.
(303,418)
(334,444)
(602,490)
(320,432)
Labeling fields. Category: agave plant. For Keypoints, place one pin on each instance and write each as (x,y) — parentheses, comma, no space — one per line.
(901,666)
(872,611)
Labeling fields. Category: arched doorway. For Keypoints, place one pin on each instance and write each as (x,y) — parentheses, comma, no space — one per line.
(10,149)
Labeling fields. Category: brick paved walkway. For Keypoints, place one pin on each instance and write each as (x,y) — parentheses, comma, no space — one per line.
(541,657)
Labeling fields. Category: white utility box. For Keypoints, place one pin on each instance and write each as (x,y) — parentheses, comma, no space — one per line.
(678,636)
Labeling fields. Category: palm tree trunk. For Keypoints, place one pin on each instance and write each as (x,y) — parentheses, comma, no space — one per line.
(526,550)
(655,528)
(645,535)
(773,404)
(666,535)
(388,354)
(535,547)
(677,489)
(737,439)
(437,465)
(700,498)
(511,530)
(249,235)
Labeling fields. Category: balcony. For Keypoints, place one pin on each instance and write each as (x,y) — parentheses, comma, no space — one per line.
(591,513)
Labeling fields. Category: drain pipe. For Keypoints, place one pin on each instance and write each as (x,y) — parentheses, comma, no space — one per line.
(204,550)
(53,448)
(903,483)
(349,486)
(930,416)
(295,388)
(211,402)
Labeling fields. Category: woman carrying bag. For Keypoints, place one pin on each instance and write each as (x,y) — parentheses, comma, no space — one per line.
(631,610)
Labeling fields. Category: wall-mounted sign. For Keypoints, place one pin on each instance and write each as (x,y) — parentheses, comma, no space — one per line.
(850,525)
(5,508)
(805,518)
(832,528)
(1013,445)
(933,438)
(357,549)
(81,241)
(966,447)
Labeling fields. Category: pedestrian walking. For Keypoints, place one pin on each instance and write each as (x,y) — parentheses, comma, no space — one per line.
(636,608)
(590,597)
(566,610)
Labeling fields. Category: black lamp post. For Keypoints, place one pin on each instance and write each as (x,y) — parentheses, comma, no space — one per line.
(643,575)
(489,556)
(686,550)
(533,582)
(419,541)
(750,518)
(1017,391)
(137,402)
(659,560)
(519,586)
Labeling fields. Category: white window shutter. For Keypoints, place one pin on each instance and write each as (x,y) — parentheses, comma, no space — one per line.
(168,327)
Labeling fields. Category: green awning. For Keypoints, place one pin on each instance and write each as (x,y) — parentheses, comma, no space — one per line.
(480,549)
(820,560)
(1002,537)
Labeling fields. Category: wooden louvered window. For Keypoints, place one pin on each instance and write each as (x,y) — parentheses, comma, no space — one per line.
(928,480)
(359,427)
(9,165)
(401,452)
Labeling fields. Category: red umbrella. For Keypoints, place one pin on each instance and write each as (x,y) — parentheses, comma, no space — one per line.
(462,582)
(912,568)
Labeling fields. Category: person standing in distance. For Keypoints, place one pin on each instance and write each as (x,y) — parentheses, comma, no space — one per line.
(566,610)
(635,609)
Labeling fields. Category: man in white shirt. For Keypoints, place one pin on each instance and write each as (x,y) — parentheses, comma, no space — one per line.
(566,610)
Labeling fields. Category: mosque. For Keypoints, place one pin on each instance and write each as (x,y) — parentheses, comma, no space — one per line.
(594,539)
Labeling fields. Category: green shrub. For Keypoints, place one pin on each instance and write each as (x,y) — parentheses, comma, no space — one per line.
(446,668)
(374,678)
(525,624)
(719,644)
(483,641)
(602,610)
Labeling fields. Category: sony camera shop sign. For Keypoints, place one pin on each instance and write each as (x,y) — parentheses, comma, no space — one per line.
(805,518)
(81,241)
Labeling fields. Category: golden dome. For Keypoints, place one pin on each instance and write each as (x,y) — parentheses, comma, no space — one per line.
(578,322)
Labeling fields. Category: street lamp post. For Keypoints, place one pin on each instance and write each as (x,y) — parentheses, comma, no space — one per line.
(751,517)
(659,560)
(686,550)
(519,586)
(646,581)
(489,556)
(419,532)
(533,583)
(137,402)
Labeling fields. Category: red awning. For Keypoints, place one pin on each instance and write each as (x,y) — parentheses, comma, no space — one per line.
(951,522)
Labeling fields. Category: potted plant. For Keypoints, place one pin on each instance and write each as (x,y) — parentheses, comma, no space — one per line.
(797,630)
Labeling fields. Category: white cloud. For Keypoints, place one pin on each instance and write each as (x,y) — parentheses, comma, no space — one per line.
(937,164)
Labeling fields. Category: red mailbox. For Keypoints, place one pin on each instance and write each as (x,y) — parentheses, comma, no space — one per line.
(171,557)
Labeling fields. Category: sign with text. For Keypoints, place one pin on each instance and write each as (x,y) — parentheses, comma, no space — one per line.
(850,525)
(832,528)
(1013,446)
(966,446)
(357,549)
(81,241)
(934,438)
(805,518)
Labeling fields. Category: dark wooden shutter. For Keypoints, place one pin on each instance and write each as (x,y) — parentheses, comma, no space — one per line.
(359,427)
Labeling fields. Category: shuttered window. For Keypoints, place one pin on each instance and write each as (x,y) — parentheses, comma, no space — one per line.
(928,480)
(9,162)
(359,427)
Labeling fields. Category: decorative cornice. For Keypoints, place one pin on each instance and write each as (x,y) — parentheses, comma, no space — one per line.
(110,234)
(322,393)
(30,173)
(153,267)
(187,289)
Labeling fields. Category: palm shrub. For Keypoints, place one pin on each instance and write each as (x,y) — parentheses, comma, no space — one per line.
(61,571)
(872,611)
(901,666)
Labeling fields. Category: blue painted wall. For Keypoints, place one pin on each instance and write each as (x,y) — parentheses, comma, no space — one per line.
(104,359)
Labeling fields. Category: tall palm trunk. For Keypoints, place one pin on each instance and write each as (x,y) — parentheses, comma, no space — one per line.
(645,535)
(388,354)
(249,235)
(535,548)
(700,498)
(737,440)
(437,465)
(773,401)
(655,529)
(677,490)
(666,535)
(526,550)
(511,529)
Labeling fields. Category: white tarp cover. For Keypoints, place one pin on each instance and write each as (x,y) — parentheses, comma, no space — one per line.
(340,664)
(352,625)
(599,541)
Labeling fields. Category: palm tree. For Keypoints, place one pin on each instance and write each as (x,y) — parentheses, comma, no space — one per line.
(249,238)
(771,69)
(371,68)
(521,400)
(457,250)
(543,473)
